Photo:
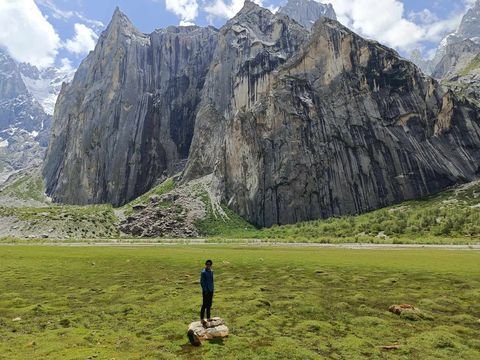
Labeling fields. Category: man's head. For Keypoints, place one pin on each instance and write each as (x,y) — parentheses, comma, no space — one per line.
(208,264)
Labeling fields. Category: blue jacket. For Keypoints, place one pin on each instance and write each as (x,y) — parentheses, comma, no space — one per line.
(206,280)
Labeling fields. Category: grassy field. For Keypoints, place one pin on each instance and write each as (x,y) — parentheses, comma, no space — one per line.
(295,303)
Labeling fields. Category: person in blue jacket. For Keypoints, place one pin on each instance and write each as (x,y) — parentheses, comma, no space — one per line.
(206,281)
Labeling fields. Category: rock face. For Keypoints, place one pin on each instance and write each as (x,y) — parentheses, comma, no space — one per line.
(127,118)
(459,64)
(307,12)
(465,83)
(417,58)
(294,125)
(24,126)
(470,26)
(344,127)
(457,55)
(250,47)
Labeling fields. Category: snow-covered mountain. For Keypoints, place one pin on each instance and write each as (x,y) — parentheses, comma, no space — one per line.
(45,84)
(27,100)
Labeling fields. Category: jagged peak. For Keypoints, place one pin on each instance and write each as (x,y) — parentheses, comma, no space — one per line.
(121,22)
(118,15)
(250,7)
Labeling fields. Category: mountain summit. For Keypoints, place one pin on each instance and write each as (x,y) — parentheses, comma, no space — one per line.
(307,12)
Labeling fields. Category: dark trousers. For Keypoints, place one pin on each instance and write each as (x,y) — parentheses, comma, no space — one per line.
(207,304)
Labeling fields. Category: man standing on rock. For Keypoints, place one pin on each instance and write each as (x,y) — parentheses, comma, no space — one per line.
(206,281)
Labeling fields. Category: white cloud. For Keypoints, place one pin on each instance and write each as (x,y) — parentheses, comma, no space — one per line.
(83,41)
(187,10)
(424,16)
(228,9)
(57,13)
(389,24)
(66,65)
(26,33)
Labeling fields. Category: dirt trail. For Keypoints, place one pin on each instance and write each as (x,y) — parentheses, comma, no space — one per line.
(250,243)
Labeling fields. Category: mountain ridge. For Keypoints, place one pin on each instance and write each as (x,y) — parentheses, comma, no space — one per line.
(294,125)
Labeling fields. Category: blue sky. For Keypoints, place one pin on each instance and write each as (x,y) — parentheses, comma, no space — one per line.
(46,32)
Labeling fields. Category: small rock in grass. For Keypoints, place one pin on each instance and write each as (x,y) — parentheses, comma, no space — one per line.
(17,319)
(139,207)
(65,322)
(409,312)
(391,347)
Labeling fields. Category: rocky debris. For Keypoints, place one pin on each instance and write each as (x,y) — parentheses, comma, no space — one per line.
(197,332)
(158,219)
(173,214)
(408,312)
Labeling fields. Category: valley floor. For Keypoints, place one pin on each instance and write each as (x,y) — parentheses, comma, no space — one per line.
(279,302)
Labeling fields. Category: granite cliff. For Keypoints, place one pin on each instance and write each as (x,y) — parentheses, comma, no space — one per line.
(126,120)
(293,124)
(343,127)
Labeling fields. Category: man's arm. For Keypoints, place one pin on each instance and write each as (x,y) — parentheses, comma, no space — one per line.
(203,281)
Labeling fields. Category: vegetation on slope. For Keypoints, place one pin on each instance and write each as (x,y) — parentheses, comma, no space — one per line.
(449,217)
(26,212)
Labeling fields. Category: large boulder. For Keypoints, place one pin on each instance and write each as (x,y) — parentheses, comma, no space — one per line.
(198,332)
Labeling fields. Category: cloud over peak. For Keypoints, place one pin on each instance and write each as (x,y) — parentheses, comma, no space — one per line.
(83,41)
(186,10)
(26,33)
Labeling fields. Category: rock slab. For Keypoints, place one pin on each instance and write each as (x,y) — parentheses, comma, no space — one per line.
(197,332)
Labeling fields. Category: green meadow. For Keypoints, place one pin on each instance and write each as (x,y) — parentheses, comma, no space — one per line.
(279,303)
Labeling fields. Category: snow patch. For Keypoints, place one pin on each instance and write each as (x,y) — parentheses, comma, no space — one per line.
(47,86)
(4,144)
